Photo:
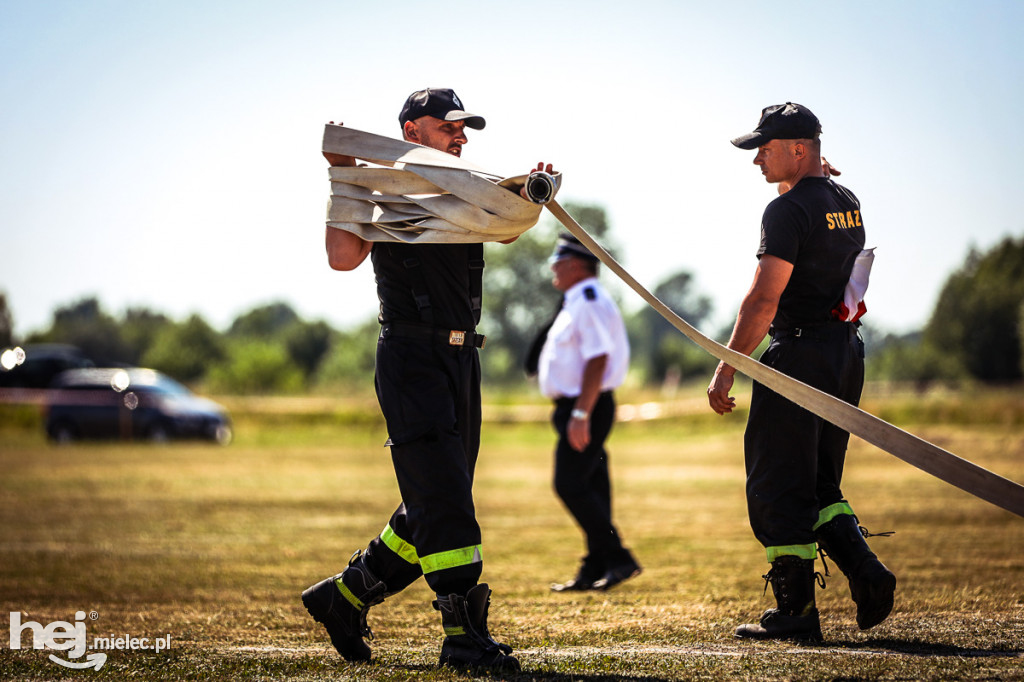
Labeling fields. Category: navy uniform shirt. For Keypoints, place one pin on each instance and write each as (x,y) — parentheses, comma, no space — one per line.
(817,226)
(434,284)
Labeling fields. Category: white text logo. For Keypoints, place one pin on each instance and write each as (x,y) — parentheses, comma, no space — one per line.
(71,637)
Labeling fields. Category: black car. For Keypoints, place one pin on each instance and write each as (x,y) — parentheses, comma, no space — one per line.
(130,403)
(36,365)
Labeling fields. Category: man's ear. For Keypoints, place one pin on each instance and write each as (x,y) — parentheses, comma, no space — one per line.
(411,131)
(806,149)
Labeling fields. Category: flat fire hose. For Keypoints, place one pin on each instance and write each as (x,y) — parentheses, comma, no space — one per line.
(424,195)
(930,458)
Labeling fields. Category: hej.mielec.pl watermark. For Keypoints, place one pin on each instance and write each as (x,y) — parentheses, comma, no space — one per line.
(72,638)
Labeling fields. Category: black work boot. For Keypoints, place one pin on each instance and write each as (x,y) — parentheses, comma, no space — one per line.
(796,617)
(340,604)
(467,642)
(872,585)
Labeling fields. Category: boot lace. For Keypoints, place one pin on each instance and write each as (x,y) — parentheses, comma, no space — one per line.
(491,642)
(883,534)
(864,532)
(824,564)
(364,628)
(767,580)
(818,577)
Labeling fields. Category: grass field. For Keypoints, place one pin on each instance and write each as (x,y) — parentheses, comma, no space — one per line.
(212,546)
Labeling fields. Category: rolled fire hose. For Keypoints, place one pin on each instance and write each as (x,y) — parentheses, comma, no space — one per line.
(424,195)
(416,194)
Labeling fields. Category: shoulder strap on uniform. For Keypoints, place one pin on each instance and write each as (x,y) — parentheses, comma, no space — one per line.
(418,285)
(476,276)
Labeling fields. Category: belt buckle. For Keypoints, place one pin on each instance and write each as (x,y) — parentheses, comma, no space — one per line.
(456,338)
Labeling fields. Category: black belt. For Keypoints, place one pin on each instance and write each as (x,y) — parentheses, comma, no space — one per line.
(448,337)
(571,400)
(824,331)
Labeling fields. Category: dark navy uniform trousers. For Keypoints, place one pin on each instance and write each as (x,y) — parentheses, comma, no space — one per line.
(429,393)
(794,459)
(582,480)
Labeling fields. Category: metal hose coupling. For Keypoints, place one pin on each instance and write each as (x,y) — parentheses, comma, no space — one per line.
(540,187)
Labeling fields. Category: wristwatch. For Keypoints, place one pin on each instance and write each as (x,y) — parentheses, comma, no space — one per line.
(580,414)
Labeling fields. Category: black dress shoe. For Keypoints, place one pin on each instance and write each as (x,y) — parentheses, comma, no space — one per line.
(577,584)
(590,572)
(616,574)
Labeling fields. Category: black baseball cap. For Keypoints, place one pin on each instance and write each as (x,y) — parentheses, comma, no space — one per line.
(787,121)
(440,103)
(569,246)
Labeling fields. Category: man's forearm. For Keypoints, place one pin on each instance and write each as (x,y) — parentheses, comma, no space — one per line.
(345,251)
(752,324)
(590,388)
(758,307)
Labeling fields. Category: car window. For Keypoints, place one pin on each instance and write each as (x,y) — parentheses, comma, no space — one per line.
(166,386)
(85,387)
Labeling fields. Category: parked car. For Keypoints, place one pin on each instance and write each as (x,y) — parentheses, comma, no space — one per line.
(36,365)
(130,403)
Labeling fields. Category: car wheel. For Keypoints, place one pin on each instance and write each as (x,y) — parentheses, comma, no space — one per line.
(63,432)
(223,435)
(158,433)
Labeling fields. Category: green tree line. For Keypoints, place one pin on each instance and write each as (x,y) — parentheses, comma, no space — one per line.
(974,333)
(976,330)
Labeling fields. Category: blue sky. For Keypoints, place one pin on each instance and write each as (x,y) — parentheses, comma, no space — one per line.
(167,154)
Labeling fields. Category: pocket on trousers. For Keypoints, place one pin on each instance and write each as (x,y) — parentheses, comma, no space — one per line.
(413,388)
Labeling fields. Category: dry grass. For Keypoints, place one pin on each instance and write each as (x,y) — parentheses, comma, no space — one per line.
(213,546)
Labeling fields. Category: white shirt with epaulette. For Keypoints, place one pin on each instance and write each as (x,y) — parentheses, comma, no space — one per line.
(589,325)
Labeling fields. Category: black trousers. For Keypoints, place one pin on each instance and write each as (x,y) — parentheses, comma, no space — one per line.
(429,393)
(582,481)
(794,459)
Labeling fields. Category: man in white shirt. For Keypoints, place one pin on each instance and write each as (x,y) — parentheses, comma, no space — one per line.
(583,360)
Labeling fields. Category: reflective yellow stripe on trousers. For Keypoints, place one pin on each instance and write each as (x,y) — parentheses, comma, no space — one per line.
(434,562)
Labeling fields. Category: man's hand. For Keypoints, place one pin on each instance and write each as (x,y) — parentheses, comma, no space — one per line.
(579,433)
(718,390)
(541,168)
(339,159)
(828,169)
(578,430)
